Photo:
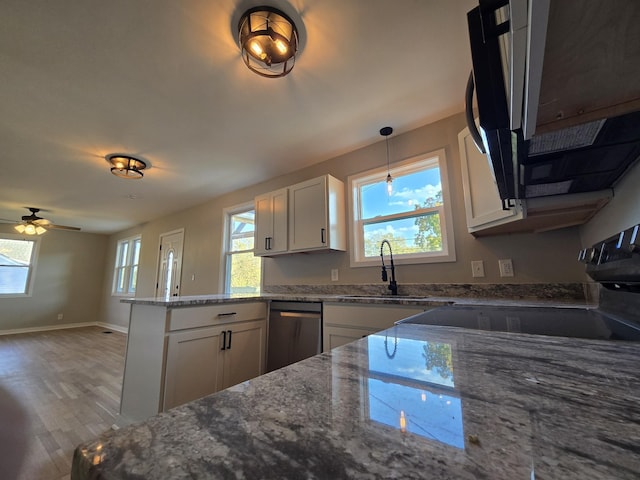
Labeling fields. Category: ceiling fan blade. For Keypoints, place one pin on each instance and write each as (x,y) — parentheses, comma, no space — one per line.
(61,227)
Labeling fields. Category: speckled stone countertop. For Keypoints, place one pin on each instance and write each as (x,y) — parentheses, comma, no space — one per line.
(537,294)
(411,402)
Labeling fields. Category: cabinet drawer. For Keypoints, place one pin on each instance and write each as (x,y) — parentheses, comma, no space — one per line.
(194,317)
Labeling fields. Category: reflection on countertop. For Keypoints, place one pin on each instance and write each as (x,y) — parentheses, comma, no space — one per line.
(408,402)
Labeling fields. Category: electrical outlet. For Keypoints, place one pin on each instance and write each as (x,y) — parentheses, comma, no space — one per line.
(334,274)
(506,267)
(60,316)
(477,268)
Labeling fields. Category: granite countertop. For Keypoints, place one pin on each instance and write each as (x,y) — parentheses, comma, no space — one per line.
(413,401)
(414,299)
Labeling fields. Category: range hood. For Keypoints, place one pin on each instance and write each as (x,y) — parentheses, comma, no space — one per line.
(558,91)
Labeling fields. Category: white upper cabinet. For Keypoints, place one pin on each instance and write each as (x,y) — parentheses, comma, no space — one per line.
(271,223)
(317,215)
(307,216)
(483,207)
(481,198)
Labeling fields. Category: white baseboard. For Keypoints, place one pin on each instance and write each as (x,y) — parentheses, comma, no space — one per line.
(45,328)
(110,326)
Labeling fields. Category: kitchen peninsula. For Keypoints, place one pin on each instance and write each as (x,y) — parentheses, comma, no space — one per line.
(183,348)
(498,405)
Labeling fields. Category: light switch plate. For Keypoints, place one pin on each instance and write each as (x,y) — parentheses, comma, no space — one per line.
(506,267)
(477,268)
(334,274)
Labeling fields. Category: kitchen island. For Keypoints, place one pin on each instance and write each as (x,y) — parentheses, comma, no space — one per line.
(413,401)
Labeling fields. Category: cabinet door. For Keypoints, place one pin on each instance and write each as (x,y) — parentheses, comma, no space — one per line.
(264,224)
(481,198)
(346,322)
(244,353)
(280,215)
(337,336)
(271,223)
(192,366)
(308,215)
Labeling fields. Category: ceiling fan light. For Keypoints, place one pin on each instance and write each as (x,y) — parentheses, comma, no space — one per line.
(268,39)
(20,228)
(30,229)
(126,166)
(40,230)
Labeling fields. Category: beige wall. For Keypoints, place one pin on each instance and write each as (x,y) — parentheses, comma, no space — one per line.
(68,280)
(622,212)
(545,257)
(75,270)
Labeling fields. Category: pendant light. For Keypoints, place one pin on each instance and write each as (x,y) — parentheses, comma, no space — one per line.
(385,132)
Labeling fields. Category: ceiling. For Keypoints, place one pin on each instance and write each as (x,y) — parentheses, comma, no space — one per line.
(163,79)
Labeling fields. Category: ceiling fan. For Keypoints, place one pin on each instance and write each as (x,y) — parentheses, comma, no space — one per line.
(35,225)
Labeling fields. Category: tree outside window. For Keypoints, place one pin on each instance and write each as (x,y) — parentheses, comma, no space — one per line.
(414,217)
(243,269)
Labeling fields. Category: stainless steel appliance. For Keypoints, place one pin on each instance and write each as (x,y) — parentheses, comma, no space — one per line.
(295,332)
(588,143)
(614,263)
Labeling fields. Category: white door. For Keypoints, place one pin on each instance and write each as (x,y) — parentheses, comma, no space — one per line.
(169,264)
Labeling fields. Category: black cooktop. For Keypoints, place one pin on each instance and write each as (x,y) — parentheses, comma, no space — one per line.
(559,322)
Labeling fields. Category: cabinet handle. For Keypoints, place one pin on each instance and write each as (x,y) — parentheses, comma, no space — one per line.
(269,238)
(224,340)
(229,314)
(229,345)
(323,235)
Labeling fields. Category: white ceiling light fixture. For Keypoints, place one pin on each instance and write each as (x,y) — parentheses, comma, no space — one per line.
(126,166)
(30,229)
(385,132)
(268,39)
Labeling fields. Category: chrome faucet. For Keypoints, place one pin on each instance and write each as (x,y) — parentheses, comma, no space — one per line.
(393,286)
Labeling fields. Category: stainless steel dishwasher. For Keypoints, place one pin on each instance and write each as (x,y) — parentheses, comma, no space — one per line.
(295,332)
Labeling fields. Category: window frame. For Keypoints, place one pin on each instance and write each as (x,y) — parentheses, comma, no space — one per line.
(413,164)
(227,214)
(127,267)
(33,262)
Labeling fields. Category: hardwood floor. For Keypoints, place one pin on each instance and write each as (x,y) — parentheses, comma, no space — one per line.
(69,382)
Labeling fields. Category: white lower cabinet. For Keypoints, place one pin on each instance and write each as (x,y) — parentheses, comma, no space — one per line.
(193,362)
(205,360)
(346,322)
(176,355)
(244,356)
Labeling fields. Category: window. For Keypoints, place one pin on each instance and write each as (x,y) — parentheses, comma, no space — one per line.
(17,265)
(242,268)
(415,217)
(125,274)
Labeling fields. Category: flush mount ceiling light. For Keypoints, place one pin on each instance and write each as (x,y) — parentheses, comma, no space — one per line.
(126,166)
(268,39)
(385,132)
